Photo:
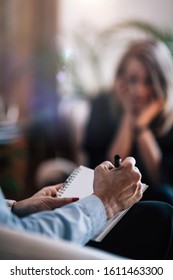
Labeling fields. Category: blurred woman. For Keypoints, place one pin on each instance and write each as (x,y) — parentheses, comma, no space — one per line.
(136,118)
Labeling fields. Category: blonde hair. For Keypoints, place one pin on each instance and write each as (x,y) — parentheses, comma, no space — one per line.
(156,56)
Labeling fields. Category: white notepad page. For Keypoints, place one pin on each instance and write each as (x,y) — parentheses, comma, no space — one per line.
(79,183)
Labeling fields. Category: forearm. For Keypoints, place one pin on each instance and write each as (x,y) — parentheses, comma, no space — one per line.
(74,222)
(150,153)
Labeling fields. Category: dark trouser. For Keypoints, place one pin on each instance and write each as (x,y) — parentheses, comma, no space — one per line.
(163,192)
(144,233)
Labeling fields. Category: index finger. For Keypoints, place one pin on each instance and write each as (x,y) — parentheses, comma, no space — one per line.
(128,160)
(54,189)
(106,165)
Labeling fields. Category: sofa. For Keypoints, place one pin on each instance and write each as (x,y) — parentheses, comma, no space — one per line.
(21,245)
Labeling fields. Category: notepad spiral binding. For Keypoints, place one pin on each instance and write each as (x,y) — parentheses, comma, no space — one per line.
(68,181)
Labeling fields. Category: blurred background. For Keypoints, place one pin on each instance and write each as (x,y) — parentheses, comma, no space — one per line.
(55,56)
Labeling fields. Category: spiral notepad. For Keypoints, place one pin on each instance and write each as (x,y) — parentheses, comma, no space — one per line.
(79,183)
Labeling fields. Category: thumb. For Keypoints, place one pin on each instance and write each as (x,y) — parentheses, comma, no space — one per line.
(59,202)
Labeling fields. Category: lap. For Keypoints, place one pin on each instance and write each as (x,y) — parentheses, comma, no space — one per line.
(145,232)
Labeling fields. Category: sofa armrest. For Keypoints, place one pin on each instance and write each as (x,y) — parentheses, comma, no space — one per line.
(21,245)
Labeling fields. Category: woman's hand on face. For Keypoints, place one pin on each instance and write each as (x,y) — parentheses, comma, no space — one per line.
(149,113)
(45,199)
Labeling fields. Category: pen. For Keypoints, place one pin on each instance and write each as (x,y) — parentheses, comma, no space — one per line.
(117,161)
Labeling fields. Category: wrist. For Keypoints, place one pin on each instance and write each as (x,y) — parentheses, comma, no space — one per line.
(110,206)
(10,203)
(19,208)
(139,130)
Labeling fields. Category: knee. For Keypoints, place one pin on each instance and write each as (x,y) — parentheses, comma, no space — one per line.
(155,210)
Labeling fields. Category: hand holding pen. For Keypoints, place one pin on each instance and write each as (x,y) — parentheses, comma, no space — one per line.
(117,164)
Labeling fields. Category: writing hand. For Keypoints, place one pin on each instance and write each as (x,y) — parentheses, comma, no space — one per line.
(119,188)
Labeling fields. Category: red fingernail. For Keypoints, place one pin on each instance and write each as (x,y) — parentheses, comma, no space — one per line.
(75,199)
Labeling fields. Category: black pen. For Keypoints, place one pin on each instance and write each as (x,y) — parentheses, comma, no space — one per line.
(117,161)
